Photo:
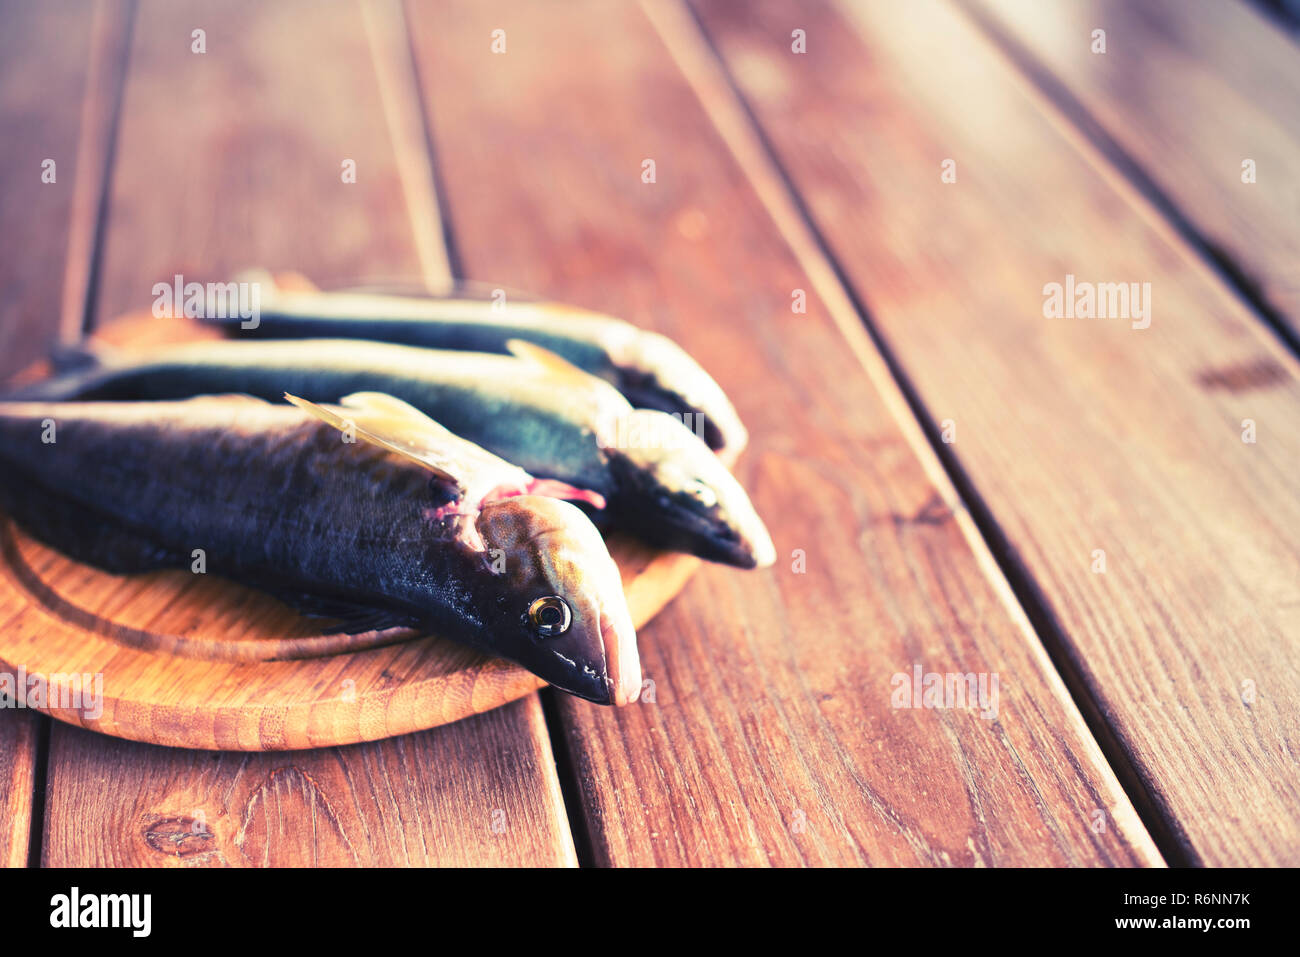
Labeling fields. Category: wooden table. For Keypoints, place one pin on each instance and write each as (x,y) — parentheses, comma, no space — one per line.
(853,213)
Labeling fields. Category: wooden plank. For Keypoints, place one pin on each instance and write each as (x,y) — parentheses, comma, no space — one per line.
(219,169)
(18,754)
(771,737)
(480,793)
(1081,436)
(229,158)
(46,53)
(1188,93)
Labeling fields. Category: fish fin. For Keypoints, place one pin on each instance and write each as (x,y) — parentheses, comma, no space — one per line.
(390,424)
(553,488)
(555,364)
(352,618)
(392,407)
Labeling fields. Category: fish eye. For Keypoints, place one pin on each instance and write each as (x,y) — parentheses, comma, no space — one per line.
(550,616)
(702,493)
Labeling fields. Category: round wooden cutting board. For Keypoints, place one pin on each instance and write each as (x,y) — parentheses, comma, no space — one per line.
(199,662)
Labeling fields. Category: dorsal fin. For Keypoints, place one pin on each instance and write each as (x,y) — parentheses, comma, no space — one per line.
(392,425)
(395,408)
(556,364)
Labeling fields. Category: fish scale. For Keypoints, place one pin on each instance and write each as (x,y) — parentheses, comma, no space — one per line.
(533,409)
(650,369)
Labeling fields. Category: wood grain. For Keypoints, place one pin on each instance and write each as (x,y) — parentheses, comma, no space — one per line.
(770,736)
(47,51)
(44,54)
(1080,436)
(18,752)
(482,795)
(227,159)
(1188,92)
(253,177)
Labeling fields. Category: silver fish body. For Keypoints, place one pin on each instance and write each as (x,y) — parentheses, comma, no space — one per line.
(660,479)
(279,501)
(650,369)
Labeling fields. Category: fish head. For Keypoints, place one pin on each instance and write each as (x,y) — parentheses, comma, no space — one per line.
(676,491)
(562,612)
(656,373)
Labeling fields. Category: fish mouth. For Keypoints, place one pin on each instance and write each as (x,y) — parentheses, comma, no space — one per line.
(743,544)
(755,550)
(732,530)
(617,680)
(678,495)
(557,557)
(622,660)
(596,688)
(602,664)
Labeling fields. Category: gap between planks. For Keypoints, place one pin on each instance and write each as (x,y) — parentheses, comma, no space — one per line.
(1171,768)
(101,110)
(691,49)
(388,34)
(396,68)
(384,29)
(109,55)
